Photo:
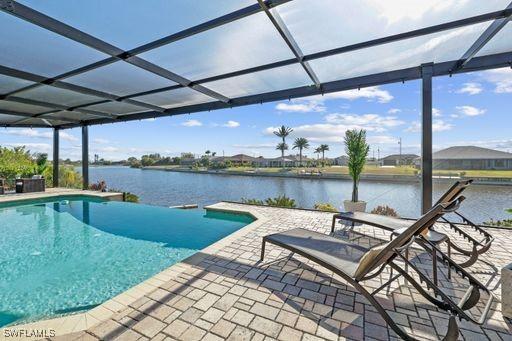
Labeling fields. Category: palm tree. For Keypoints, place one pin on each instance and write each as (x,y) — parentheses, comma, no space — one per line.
(283,132)
(282,147)
(208,152)
(300,143)
(317,152)
(214,153)
(323,148)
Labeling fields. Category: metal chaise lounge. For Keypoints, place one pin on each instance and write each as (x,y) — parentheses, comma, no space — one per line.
(396,225)
(356,264)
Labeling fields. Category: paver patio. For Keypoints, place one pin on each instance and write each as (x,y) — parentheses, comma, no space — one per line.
(228,294)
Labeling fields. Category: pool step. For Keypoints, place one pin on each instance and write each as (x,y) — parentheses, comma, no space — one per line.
(185,207)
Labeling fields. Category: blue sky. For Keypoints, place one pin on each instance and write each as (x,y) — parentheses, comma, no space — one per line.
(470,109)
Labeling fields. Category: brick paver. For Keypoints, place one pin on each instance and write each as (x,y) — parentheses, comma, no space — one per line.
(231,295)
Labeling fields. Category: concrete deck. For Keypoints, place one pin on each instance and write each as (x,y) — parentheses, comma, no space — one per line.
(223,292)
(53,192)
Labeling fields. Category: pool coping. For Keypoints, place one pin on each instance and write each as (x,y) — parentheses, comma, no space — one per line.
(59,192)
(75,323)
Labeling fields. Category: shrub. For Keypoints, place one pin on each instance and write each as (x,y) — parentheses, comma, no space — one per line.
(509,210)
(499,223)
(281,201)
(252,201)
(128,197)
(325,206)
(385,210)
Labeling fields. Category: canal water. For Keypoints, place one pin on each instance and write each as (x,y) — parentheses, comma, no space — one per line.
(171,188)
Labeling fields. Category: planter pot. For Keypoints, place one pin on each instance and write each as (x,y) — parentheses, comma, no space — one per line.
(350,206)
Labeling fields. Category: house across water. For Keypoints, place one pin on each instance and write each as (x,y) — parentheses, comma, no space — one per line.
(471,157)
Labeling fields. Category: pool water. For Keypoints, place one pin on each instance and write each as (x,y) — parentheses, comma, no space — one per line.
(69,254)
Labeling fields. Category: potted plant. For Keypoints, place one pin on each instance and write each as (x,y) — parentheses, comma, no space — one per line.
(357,150)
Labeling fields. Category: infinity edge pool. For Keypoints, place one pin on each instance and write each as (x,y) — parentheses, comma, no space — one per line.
(81,321)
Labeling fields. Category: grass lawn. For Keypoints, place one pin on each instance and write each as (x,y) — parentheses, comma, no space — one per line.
(374,170)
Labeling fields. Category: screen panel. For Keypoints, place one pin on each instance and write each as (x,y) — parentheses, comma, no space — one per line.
(33,49)
(437,47)
(328,24)
(285,77)
(9,84)
(501,42)
(130,24)
(116,108)
(8,118)
(22,107)
(175,98)
(120,79)
(71,115)
(50,94)
(245,43)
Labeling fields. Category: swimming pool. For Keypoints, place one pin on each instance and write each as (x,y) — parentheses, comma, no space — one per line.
(69,254)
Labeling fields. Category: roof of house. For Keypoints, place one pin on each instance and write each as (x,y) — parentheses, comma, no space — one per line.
(236,158)
(397,157)
(470,152)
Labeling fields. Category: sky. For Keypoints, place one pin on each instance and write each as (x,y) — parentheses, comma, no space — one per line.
(469,109)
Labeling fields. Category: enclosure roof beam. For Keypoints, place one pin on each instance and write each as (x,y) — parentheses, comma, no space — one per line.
(484,38)
(388,77)
(37,18)
(340,50)
(280,26)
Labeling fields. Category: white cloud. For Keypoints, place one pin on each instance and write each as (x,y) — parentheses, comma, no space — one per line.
(68,137)
(231,124)
(33,147)
(382,139)
(255,146)
(501,78)
(436,112)
(107,149)
(437,126)
(335,126)
(192,123)
(468,110)
(371,93)
(301,105)
(470,89)
(317,103)
(394,111)
(100,141)
(40,134)
(367,121)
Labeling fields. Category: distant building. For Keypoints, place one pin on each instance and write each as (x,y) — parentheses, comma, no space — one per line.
(471,157)
(397,159)
(289,161)
(189,161)
(340,161)
(236,160)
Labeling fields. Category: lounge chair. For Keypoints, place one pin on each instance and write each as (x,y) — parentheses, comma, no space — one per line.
(397,224)
(356,264)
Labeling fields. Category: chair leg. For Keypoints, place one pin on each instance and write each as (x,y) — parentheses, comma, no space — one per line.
(262,250)
(333,224)
(449,249)
(406,265)
(434,265)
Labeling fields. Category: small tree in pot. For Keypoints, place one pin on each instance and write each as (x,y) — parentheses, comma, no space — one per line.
(357,150)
